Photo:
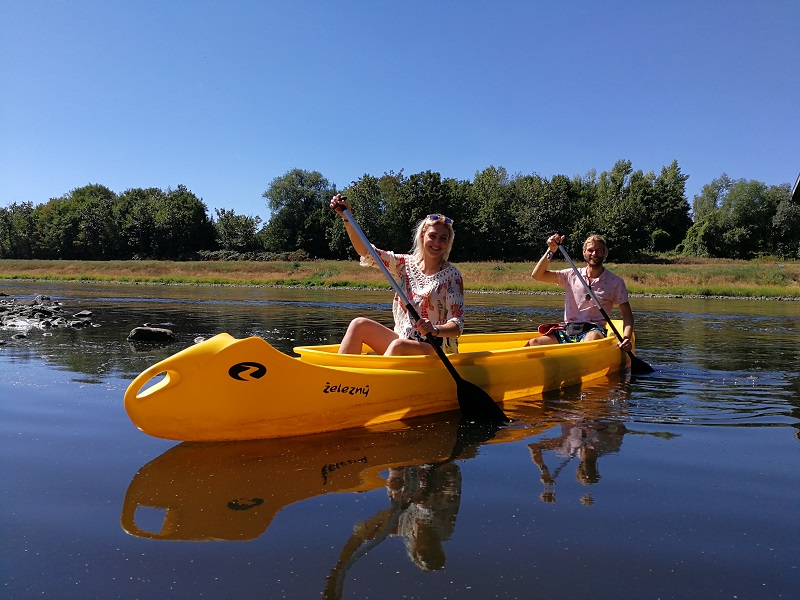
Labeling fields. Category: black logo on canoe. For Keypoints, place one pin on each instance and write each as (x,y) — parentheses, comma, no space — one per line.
(244,503)
(247,371)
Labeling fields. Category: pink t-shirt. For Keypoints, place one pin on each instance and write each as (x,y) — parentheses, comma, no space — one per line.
(609,288)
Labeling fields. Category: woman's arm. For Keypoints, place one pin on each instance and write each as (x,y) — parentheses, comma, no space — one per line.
(454,301)
(338,204)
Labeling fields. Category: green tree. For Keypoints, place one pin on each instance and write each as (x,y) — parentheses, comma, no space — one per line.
(458,192)
(96,235)
(181,225)
(427,194)
(585,189)
(710,197)
(366,202)
(298,203)
(530,214)
(78,225)
(398,211)
(53,230)
(236,232)
(135,215)
(619,213)
(748,209)
(422,194)
(489,213)
(7,233)
(786,227)
(17,230)
(734,219)
(668,209)
(540,207)
(705,234)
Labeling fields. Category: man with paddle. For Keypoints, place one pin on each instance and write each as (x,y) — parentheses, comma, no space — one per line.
(433,286)
(590,296)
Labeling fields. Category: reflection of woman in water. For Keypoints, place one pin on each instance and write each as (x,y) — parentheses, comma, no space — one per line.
(431,499)
(425,501)
(587,440)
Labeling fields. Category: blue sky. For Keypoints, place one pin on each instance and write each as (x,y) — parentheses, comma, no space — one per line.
(225,96)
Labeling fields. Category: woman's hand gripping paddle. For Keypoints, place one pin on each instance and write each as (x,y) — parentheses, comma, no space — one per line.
(475,404)
(638,366)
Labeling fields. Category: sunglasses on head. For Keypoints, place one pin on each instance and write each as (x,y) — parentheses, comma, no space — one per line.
(447,220)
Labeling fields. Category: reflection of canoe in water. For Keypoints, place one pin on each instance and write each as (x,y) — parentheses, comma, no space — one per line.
(229,389)
(232,491)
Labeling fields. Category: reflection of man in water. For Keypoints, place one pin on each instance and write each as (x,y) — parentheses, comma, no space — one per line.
(425,502)
(584,439)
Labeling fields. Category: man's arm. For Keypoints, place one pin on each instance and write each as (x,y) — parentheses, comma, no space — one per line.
(540,271)
(627,325)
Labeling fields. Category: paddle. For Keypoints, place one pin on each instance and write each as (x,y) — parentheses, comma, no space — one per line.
(638,366)
(475,404)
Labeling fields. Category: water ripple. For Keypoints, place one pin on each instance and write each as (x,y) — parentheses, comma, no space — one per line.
(716,397)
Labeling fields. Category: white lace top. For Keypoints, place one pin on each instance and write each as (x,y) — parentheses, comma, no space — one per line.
(438,297)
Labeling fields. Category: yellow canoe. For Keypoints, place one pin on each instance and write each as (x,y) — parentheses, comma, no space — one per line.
(230,389)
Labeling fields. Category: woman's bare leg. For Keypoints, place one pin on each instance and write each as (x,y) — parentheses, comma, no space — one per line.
(366,331)
(408,348)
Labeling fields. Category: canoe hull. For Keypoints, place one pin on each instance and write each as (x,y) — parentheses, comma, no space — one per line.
(230,389)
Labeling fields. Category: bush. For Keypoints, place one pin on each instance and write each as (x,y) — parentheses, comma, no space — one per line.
(233,255)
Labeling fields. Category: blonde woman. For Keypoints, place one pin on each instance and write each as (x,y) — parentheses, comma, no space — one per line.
(432,285)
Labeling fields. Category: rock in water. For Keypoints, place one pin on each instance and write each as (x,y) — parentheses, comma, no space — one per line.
(151,334)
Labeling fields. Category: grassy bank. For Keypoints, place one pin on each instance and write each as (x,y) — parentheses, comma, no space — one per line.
(696,277)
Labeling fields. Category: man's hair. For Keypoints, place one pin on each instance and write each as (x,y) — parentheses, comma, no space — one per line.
(596,237)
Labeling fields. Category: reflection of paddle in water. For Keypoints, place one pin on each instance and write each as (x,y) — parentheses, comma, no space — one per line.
(586,440)
(424,505)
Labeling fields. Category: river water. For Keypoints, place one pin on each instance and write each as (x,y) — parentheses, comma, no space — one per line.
(682,484)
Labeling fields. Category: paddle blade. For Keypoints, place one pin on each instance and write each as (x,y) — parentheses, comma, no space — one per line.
(638,366)
(477,405)
(471,434)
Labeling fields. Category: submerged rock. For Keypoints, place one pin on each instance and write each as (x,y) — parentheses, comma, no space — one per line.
(40,313)
(151,334)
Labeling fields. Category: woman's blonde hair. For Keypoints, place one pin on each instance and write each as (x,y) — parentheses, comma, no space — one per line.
(423,225)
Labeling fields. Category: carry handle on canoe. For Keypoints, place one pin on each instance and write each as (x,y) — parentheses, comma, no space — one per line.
(475,404)
(638,366)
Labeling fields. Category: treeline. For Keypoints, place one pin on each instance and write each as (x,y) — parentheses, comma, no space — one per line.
(497,217)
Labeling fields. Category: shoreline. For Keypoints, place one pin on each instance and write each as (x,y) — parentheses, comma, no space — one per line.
(758,279)
(379,289)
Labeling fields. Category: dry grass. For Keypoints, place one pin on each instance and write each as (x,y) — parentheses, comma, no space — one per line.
(709,277)
(702,277)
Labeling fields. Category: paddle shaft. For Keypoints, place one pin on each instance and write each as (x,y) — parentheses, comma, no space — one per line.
(590,291)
